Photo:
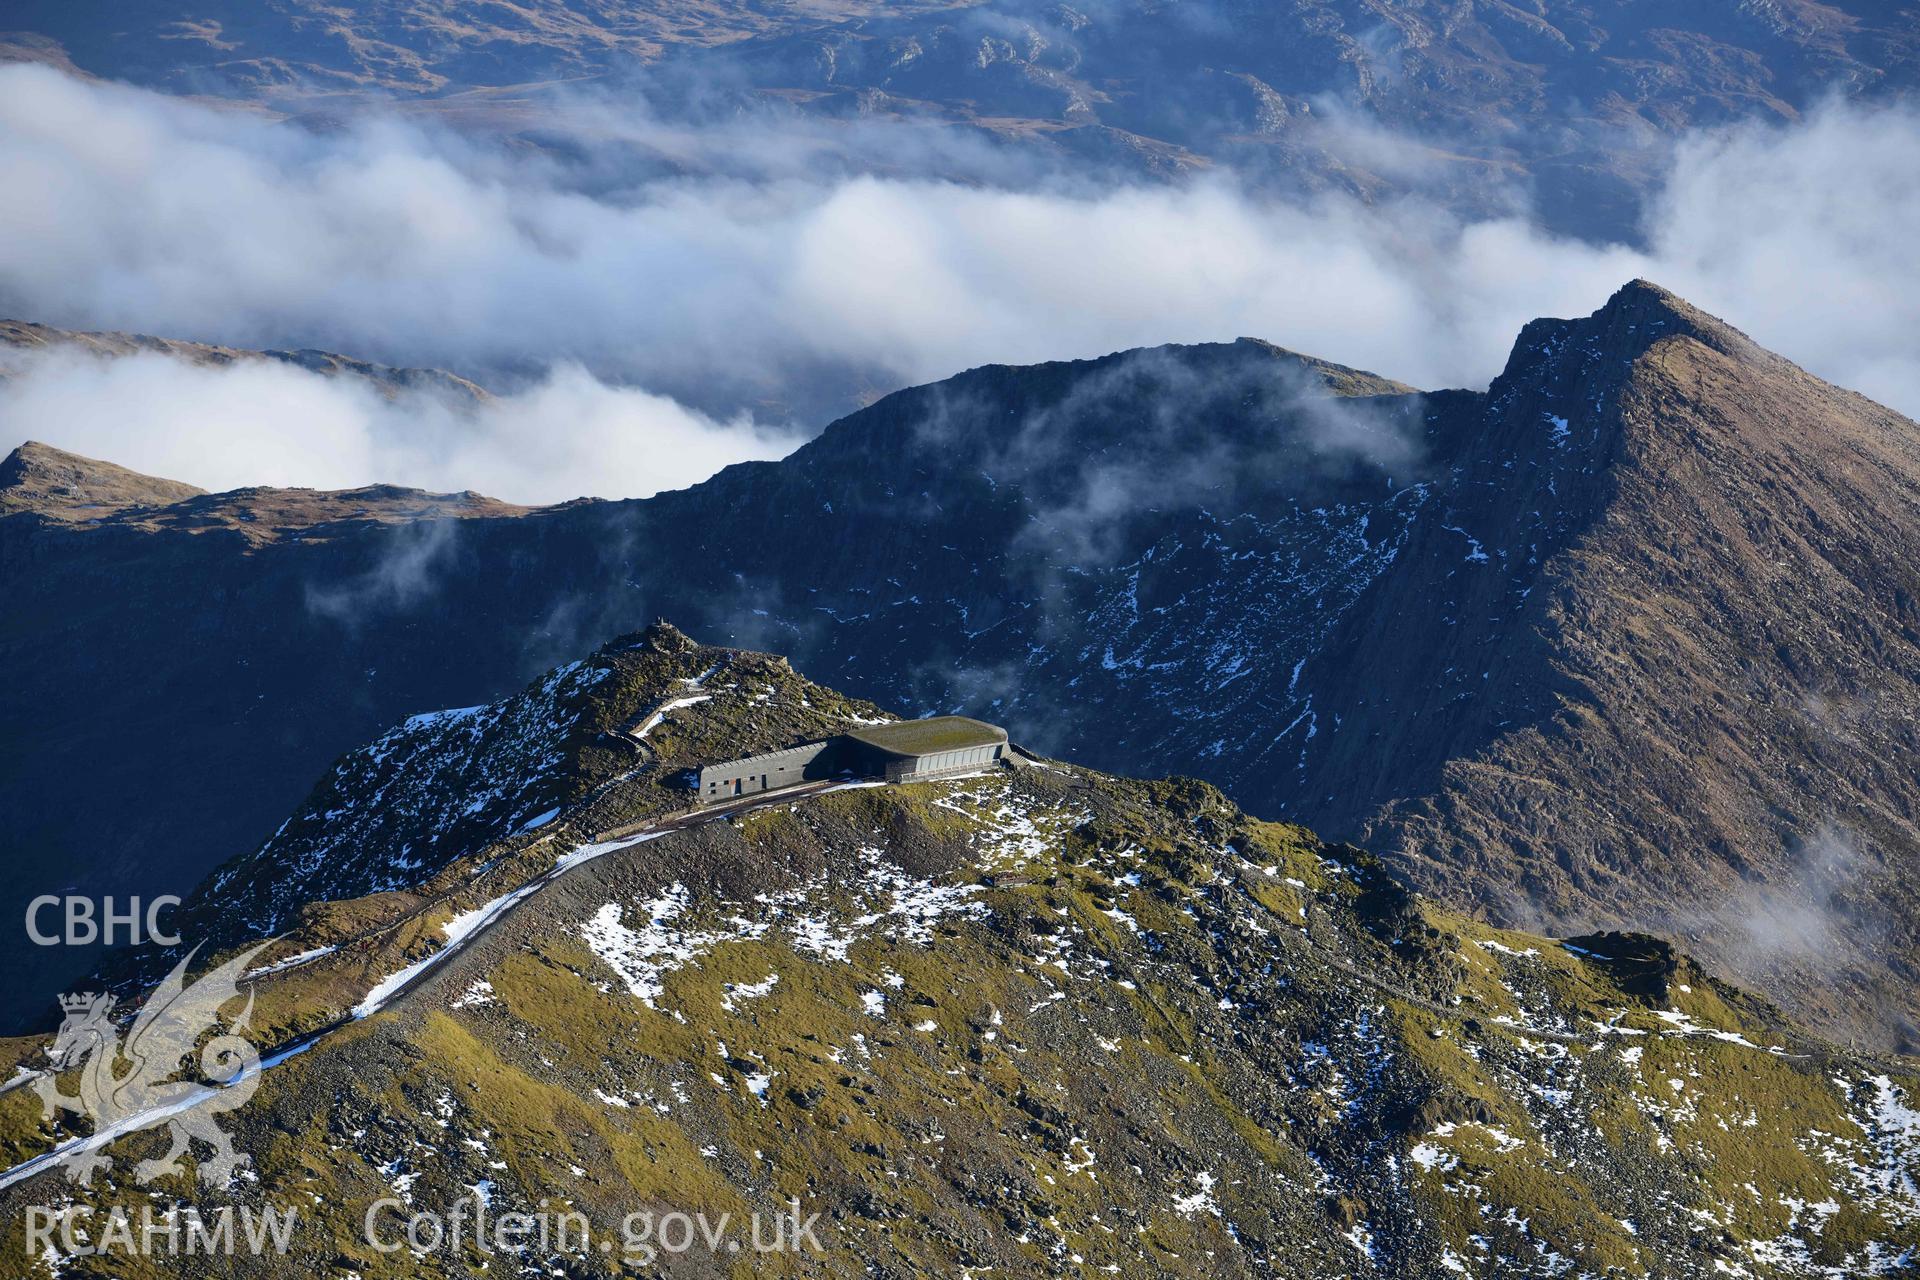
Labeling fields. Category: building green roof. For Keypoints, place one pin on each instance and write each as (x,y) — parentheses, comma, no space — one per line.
(924,737)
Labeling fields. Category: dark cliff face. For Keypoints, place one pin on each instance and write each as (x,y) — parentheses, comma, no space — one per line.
(1627,640)
(1681,689)
(1713,707)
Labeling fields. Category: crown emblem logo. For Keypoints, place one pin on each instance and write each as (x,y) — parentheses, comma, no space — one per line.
(127,1076)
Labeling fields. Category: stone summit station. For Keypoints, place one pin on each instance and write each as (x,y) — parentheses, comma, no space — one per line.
(906,751)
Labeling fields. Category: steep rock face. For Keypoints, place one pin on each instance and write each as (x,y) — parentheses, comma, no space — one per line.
(1698,712)
(432,785)
(258,634)
(1005,1021)
(1630,635)
(606,737)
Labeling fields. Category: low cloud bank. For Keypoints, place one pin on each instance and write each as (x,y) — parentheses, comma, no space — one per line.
(1802,236)
(263,422)
(753,285)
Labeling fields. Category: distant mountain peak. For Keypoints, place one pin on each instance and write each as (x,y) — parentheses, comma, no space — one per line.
(55,484)
(661,637)
(387,380)
(1638,316)
(52,482)
(1644,308)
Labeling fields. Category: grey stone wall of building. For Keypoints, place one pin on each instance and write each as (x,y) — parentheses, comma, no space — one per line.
(769,772)
(940,763)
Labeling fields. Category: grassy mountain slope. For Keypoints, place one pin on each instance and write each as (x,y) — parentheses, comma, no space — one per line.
(1028,1022)
(57,484)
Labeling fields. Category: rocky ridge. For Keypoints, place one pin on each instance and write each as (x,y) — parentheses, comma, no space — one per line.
(1630,634)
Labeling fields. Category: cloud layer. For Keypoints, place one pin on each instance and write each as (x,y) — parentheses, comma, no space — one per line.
(264,422)
(753,287)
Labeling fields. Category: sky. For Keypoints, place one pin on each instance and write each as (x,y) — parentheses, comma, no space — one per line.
(644,326)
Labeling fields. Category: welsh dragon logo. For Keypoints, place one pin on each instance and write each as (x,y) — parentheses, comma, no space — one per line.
(129,1085)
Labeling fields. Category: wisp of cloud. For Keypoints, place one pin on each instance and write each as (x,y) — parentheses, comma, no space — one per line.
(265,422)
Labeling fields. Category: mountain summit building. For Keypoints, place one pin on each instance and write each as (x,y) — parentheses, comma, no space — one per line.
(906,751)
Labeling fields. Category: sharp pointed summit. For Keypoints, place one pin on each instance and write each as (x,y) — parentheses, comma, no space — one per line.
(1638,316)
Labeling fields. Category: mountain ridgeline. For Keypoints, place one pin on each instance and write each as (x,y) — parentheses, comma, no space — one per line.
(1030,1021)
(1629,640)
